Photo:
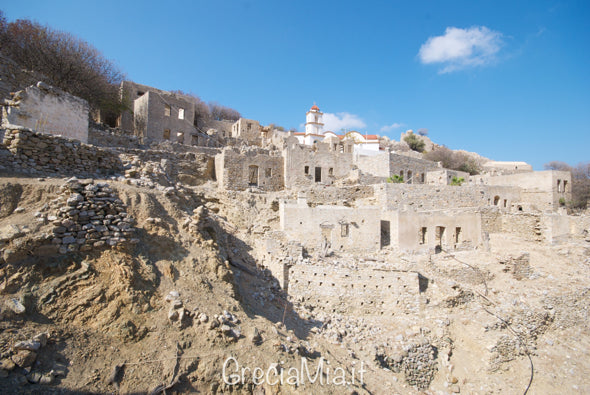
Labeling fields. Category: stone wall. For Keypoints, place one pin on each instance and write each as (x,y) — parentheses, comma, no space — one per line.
(85,217)
(249,167)
(524,225)
(46,109)
(344,228)
(362,290)
(429,197)
(445,176)
(164,117)
(376,165)
(432,231)
(321,163)
(542,190)
(332,195)
(166,167)
(248,130)
(42,154)
(413,170)
(108,137)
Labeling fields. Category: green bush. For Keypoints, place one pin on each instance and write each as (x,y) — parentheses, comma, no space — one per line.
(415,143)
(457,181)
(396,179)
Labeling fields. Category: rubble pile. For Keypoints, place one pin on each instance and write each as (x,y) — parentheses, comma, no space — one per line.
(416,360)
(92,217)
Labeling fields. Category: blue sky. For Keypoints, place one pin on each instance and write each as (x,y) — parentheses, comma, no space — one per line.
(507,79)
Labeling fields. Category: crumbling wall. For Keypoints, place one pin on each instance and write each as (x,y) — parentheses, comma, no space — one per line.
(249,167)
(43,154)
(46,109)
(444,176)
(247,130)
(557,227)
(306,165)
(343,228)
(429,197)
(540,189)
(85,217)
(525,225)
(413,170)
(429,231)
(109,137)
(376,165)
(332,195)
(189,166)
(363,290)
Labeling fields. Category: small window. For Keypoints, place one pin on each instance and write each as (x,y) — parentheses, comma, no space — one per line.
(505,202)
(331,171)
(166,110)
(268,172)
(181,113)
(423,235)
(249,126)
(180,137)
(306,169)
(564,185)
(457,235)
(166,135)
(344,230)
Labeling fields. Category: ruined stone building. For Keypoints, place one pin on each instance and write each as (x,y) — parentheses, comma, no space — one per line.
(47,109)
(155,115)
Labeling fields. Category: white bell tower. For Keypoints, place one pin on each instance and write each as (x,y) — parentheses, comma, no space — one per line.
(313,121)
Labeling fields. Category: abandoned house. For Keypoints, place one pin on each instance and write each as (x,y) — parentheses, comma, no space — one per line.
(46,109)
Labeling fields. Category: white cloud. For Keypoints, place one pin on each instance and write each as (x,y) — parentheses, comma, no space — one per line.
(461,48)
(389,128)
(342,120)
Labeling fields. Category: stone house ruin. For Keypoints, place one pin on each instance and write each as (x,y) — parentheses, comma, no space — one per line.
(47,109)
(247,130)
(155,115)
(251,167)
(342,228)
(432,230)
(323,162)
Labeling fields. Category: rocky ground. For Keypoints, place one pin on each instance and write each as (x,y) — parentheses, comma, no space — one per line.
(160,309)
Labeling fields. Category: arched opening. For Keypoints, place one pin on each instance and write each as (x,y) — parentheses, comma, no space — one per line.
(496,200)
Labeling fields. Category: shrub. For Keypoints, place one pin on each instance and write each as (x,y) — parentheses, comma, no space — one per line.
(414,142)
(396,179)
(457,181)
(454,160)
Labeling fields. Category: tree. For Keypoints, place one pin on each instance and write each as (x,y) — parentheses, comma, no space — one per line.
(454,160)
(220,113)
(415,143)
(557,165)
(65,61)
